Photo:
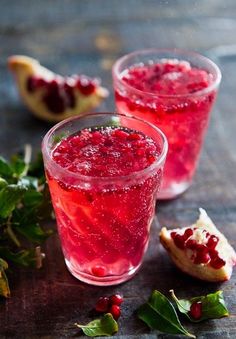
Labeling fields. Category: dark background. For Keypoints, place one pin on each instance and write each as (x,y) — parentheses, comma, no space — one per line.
(87,37)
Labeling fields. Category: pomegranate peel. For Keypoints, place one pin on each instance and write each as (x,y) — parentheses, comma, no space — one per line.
(206,254)
(50,96)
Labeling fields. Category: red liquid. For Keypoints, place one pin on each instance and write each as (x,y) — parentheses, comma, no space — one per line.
(183,119)
(104,232)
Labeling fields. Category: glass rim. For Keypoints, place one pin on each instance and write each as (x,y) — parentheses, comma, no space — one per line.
(104,179)
(178,51)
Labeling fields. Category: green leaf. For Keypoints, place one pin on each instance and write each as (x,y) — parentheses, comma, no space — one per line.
(158,313)
(22,257)
(10,196)
(33,232)
(4,287)
(3,183)
(18,165)
(106,326)
(213,306)
(5,168)
(32,198)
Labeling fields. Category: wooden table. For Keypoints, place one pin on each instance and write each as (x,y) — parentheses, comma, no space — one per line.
(86,37)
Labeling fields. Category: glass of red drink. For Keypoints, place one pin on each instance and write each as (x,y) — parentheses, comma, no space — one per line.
(104,171)
(174,90)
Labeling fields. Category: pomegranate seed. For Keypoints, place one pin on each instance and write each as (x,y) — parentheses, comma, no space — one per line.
(191,244)
(196,310)
(69,92)
(217,263)
(188,233)
(54,102)
(116,299)
(212,242)
(102,305)
(151,159)
(99,271)
(173,234)
(120,134)
(140,152)
(31,84)
(179,241)
(202,256)
(213,253)
(135,136)
(53,85)
(115,311)
(85,85)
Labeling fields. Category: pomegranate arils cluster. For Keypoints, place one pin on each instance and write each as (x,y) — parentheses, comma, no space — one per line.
(58,93)
(201,244)
(110,304)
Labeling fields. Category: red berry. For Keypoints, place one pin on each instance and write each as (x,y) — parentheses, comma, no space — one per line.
(116,299)
(102,305)
(115,311)
(196,310)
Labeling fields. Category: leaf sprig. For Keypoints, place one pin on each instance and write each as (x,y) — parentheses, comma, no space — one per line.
(24,204)
(213,306)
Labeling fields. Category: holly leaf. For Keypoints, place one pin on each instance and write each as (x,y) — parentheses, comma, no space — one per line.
(4,287)
(10,196)
(159,314)
(213,306)
(105,326)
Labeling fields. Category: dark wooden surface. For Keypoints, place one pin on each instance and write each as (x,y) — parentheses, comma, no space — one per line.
(87,36)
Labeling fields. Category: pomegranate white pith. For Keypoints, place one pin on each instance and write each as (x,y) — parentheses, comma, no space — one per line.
(39,98)
(200,250)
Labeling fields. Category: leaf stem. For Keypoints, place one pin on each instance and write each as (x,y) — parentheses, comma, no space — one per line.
(39,256)
(11,233)
(28,154)
(27,158)
(177,300)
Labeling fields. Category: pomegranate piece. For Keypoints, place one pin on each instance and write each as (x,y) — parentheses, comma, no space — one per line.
(200,250)
(52,97)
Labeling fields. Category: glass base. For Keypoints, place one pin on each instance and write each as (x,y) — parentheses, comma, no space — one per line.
(101,281)
(173,190)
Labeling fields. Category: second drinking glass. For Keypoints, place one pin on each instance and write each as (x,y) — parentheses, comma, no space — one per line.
(175,90)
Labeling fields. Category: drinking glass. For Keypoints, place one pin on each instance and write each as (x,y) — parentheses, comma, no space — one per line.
(103,222)
(182,117)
